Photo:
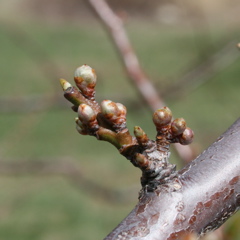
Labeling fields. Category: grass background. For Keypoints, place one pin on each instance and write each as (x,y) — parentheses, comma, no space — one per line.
(50,206)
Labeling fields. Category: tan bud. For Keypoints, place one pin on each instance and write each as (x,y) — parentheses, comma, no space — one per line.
(86,113)
(109,109)
(85,76)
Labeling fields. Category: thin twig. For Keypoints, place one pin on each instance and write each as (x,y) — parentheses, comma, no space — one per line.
(147,91)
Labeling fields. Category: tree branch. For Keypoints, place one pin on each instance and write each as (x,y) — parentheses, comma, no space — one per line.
(203,196)
(199,198)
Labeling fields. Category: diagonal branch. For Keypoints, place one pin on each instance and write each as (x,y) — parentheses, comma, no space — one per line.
(202,197)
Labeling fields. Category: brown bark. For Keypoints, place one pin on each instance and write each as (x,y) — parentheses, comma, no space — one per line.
(199,199)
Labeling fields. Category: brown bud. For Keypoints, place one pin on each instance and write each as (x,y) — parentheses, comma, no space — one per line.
(178,126)
(162,117)
(186,137)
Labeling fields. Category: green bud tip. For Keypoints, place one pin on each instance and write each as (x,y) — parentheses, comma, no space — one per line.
(138,132)
(86,113)
(85,74)
(65,84)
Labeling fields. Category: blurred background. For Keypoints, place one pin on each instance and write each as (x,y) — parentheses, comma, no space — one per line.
(57,184)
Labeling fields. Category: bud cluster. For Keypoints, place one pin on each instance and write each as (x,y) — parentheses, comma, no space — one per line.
(107,122)
(114,114)
(171,131)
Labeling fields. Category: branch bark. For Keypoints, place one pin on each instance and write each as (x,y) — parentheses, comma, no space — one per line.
(201,198)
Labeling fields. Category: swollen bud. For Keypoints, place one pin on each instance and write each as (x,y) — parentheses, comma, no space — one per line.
(122,109)
(186,137)
(178,126)
(162,117)
(86,113)
(85,79)
(109,109)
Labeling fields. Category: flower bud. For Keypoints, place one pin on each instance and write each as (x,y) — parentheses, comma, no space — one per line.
(85,79)
(186,137)
(86,113)
(162,117)
(178,126)
(109,109)
(122,109)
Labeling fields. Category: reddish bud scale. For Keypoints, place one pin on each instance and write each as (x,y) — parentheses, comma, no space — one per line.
(141,161)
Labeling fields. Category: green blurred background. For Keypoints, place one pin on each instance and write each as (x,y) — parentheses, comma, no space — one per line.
(57,184)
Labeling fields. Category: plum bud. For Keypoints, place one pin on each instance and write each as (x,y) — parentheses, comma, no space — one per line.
(162,117)
(178,126)
(109,109)
(85,76)
(122,109)
(186,137)
(86,113)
